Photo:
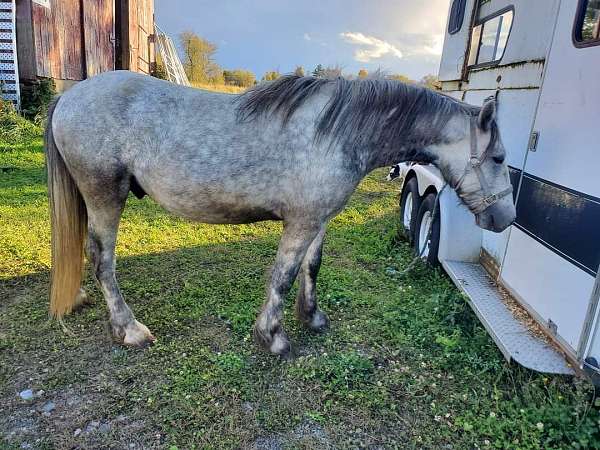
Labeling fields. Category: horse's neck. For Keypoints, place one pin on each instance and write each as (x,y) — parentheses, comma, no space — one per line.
(388,157)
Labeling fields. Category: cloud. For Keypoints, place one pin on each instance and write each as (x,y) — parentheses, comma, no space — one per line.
(375,48)
(307,37)
(435,45)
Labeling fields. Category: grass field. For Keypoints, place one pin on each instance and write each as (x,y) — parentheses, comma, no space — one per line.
(226,88)
(405,364)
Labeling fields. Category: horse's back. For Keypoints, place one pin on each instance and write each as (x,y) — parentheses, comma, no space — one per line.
(185,148)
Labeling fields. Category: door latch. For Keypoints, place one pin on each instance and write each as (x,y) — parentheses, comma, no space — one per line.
(533,141)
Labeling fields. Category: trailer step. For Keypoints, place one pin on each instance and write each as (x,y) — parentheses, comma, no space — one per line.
(513,338)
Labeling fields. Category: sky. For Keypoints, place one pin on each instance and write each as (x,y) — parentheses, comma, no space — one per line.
(397,36)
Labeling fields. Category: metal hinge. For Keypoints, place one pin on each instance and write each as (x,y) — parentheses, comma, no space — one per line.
(533,141)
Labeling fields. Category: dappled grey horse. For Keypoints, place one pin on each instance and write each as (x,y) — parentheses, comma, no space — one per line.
(292,150)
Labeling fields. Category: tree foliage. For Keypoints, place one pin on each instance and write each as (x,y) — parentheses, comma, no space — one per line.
(299,71)
(160,70)
(432,82)
(399,77)
(271,75)
(198,62)
(239,77)
(362,73)
(319,71)
(332,72)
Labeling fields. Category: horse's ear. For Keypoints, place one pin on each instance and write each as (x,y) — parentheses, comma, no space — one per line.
(487,115)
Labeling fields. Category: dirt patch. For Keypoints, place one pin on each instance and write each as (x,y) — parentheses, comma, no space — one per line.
(75,416)
(307,435)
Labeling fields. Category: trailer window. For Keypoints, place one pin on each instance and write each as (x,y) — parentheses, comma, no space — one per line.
(587,23)
(457,14)
(489,38)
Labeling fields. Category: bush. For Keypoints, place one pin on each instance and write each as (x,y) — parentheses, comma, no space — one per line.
(14,128)
(239,77)
(35,99)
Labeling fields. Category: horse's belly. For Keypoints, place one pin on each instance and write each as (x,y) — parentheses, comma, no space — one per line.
(233,216)
(218,209)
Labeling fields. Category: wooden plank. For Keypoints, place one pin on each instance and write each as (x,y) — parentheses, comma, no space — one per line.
(68,61)
(133,34)
(145,30)
(137,25)
(25,44)
(98,25)
(43,39)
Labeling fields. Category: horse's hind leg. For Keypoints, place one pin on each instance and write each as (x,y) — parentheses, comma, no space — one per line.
(103,222)
(295,240)
(307,310)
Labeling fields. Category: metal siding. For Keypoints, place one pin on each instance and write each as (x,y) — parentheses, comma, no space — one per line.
(531,29)
(455,47)
(555,248)
(554,289)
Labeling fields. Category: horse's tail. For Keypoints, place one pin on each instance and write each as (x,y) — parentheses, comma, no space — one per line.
(68,221)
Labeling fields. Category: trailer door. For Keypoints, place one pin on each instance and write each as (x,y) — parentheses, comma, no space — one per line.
(554,248)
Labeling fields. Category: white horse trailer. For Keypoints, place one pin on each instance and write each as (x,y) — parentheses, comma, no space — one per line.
(541,58)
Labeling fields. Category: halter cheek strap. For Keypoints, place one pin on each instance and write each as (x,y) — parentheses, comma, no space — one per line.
(474,165)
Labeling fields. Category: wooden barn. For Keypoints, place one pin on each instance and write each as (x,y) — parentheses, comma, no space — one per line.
(70,40)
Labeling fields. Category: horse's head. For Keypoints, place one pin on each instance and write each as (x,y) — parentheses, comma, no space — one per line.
(473,162)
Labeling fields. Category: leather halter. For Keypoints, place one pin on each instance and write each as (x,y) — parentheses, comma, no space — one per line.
(474,165)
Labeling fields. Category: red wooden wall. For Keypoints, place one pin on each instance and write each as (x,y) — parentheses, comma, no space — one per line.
(75,39)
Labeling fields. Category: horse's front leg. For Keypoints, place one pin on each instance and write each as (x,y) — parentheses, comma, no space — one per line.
(295,241)
(307,310)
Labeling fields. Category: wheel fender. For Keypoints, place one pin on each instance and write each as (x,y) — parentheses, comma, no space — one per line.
(460,237)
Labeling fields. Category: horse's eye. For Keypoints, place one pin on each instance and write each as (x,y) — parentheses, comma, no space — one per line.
(498,159)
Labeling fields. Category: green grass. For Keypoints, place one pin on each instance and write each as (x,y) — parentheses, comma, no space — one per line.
(406,363)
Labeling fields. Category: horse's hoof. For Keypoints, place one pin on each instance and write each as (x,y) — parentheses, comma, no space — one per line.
(277,343)
(319,322)
(134,334)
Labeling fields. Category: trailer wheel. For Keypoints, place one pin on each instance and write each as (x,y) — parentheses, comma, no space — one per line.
(425,220)
(409,208)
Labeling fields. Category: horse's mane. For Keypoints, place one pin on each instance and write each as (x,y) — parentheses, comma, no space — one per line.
(364,111)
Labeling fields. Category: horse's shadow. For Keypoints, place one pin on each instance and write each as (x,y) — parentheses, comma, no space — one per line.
(223,280)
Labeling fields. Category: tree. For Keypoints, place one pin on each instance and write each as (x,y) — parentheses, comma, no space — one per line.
(432,82)
(198,61)
(319,71)
(160,70)
(239,77)
(271,75)
(399,77)
(362,73)
(332,72)
(299,71)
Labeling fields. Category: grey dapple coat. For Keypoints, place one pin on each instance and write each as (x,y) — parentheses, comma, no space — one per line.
(294,150)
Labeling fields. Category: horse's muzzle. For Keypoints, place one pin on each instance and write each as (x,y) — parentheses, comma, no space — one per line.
(497,217)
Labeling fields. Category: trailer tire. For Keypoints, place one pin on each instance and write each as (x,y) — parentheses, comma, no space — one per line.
(422,224)
(409,208)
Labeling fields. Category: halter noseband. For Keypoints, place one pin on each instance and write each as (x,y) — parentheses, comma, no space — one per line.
(474,164)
